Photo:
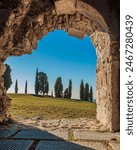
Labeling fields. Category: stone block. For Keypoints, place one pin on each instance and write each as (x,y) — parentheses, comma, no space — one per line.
(114,145)
(91,13)
(94,136)
(75,32)
(86,9)
(65,6)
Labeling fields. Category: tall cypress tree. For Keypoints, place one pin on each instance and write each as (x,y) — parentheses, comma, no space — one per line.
(86,97)
(26,87)
(7,77)
(47,87)
(16,87)
(43,86)
(66,93)
(70,89)
(82,90)
(36,83)
(58,88)
(91,94)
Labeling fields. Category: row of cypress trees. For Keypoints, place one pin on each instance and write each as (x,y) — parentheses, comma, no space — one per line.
(42,86)
(58,88)
(16,87)
(86,93)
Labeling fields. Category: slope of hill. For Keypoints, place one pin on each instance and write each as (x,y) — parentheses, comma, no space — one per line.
(30,106)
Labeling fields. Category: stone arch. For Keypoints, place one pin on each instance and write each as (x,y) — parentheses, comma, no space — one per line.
(28,21)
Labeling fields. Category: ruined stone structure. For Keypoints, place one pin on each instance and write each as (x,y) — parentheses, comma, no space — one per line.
(24,22)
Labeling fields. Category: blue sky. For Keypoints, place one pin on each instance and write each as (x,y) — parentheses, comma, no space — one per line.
(58,54)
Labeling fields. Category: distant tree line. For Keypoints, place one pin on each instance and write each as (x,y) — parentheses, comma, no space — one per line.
(41,80)
(42,86)
(86,93)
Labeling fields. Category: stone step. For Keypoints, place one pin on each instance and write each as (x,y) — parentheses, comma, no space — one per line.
(94,136)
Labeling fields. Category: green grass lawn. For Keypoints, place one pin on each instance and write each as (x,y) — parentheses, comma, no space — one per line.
(29,106)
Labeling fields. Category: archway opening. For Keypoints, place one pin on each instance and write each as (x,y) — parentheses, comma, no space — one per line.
(57,55)
(29,21)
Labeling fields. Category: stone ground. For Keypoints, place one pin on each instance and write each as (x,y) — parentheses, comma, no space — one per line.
(64,134)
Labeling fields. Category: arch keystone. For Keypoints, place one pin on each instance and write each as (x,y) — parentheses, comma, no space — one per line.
(65,6)
(75,32)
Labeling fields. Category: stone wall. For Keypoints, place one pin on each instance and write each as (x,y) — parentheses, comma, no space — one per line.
(4,100)
(107,86)
(115,85)
(23,23)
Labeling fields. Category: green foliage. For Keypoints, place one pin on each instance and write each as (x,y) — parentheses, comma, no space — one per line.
(47,87)
(91,94)
(26,87)
(7,77)
(58,88)
(82,90)
(36,83)
(86,92)
(66,93)
(70,89)
(43,85)
(16,87)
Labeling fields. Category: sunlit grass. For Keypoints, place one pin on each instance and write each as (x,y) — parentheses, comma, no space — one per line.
(29,106)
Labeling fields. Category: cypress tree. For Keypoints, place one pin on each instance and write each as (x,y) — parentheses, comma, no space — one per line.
(82,90)
(70,89)
(86,97)
(43,86)
(47,87)
(16,87)
(66,93)
(36,83)
(7,77)
(26,87)
(58,88)
(91,94)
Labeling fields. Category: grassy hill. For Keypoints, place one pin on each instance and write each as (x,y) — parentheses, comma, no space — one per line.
(29,106)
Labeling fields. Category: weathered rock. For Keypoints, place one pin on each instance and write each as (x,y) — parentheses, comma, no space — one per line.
(65,6)
(114,145)
(76,33)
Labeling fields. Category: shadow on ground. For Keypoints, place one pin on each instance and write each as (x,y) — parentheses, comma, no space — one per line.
(15,136)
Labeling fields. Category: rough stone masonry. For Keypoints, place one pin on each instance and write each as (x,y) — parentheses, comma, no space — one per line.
(24,22)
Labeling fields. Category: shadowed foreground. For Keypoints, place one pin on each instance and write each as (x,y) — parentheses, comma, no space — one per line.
(35,139)
(16,136)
